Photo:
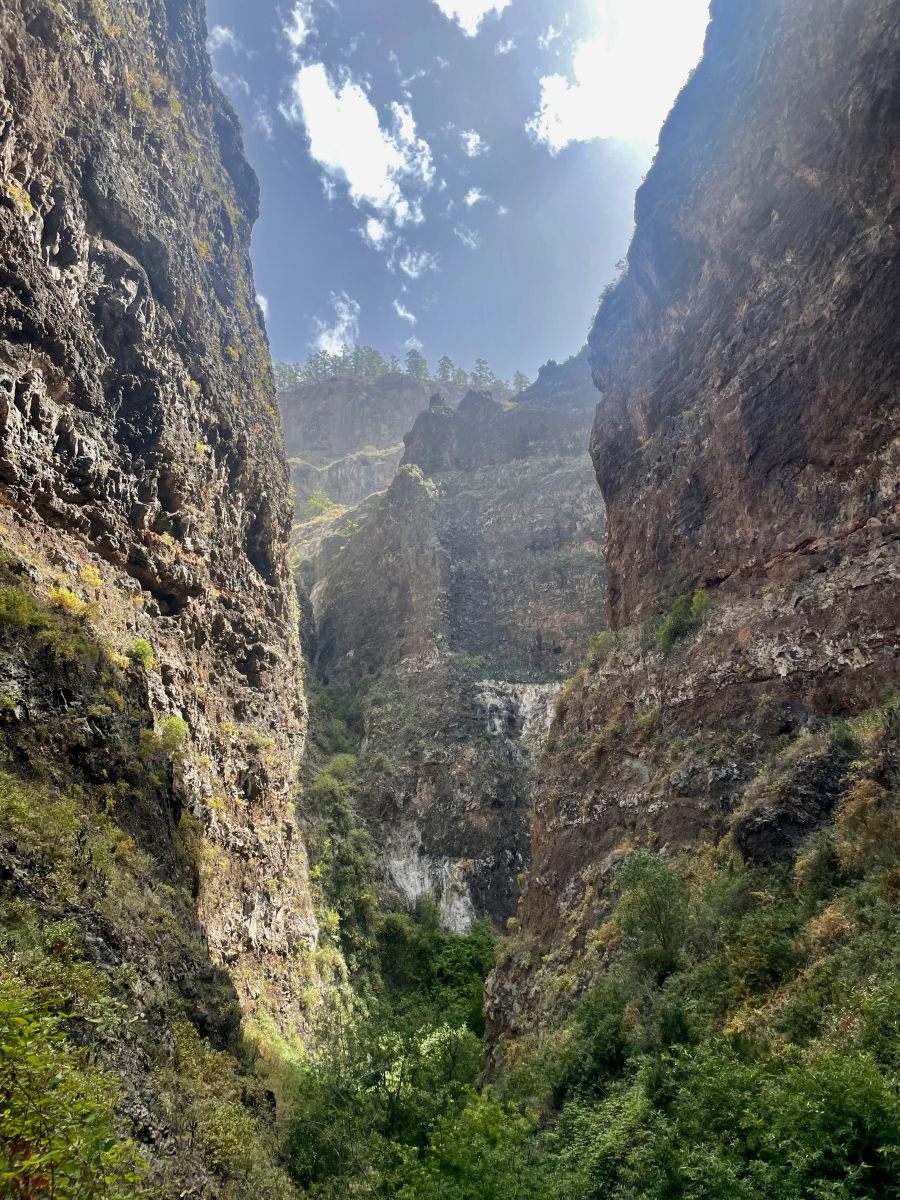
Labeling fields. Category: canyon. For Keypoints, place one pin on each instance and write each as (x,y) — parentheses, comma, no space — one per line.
(293,686)
(453,609)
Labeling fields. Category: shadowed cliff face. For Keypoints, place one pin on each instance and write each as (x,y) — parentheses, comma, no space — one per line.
(465,595)
(746,359)
(144,497)
(746,443)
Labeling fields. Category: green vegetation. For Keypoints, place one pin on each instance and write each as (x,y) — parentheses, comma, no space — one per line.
(389,1105)
(363,360)
(142,654)
(168,743)
(314,506)
(686,616)
(65,636)
(416,365)
(738,1041)
(222,1110)
(600,647)
(58,1134)
(100,948)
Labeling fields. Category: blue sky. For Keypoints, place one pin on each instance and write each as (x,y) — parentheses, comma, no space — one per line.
(457,175)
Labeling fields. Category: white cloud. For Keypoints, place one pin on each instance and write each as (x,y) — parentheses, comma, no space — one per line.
(346,138)
(262,120)
(302,25)
(502,210)
(627,78)
(468,237)
(472,143)
(413,343)
(404,313)
(506,47)
(545,39)
(376,233)
(470,13)
(442,63)
(345,329)
(263,303)
(220,36)
(474,195)
(415,263)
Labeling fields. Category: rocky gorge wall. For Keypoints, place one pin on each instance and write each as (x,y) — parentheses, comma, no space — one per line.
(344,436)
(746,444)
(453,612)
(152,706)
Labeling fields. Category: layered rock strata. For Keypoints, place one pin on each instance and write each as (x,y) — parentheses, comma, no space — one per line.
(746,445)
(154,659)
(454,611)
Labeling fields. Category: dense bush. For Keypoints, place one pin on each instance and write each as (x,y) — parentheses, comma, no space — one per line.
(58,1135)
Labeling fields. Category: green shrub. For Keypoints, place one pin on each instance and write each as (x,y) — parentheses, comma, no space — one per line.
(599,648)
(772,1130)
(686,616)
(225,1114)
(173,736)
(142,654)
(62,631)
(57,1113)
(313,507)
(653,911)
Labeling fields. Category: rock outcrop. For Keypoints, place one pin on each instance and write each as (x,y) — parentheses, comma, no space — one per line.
(344,436)
(149,659)
(454,611)
(746,444)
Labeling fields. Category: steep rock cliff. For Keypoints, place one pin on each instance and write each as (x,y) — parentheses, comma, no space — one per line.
(149,661)
(454,611)
(749,406)
(745,443)
(344,436)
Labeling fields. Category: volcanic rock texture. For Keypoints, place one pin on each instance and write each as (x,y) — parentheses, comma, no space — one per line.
(465,596)
(746,443)
(144,497)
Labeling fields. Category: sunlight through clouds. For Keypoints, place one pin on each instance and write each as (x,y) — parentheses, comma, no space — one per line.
(627,78)
(348,141)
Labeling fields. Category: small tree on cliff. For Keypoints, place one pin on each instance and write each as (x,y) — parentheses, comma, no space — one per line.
(460,377)
(416,365)
(521,381)
(445,370)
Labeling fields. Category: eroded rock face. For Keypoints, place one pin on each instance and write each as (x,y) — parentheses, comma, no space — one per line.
(345,436)
(746,360)
(454,610)
(746,440)
(141,463)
